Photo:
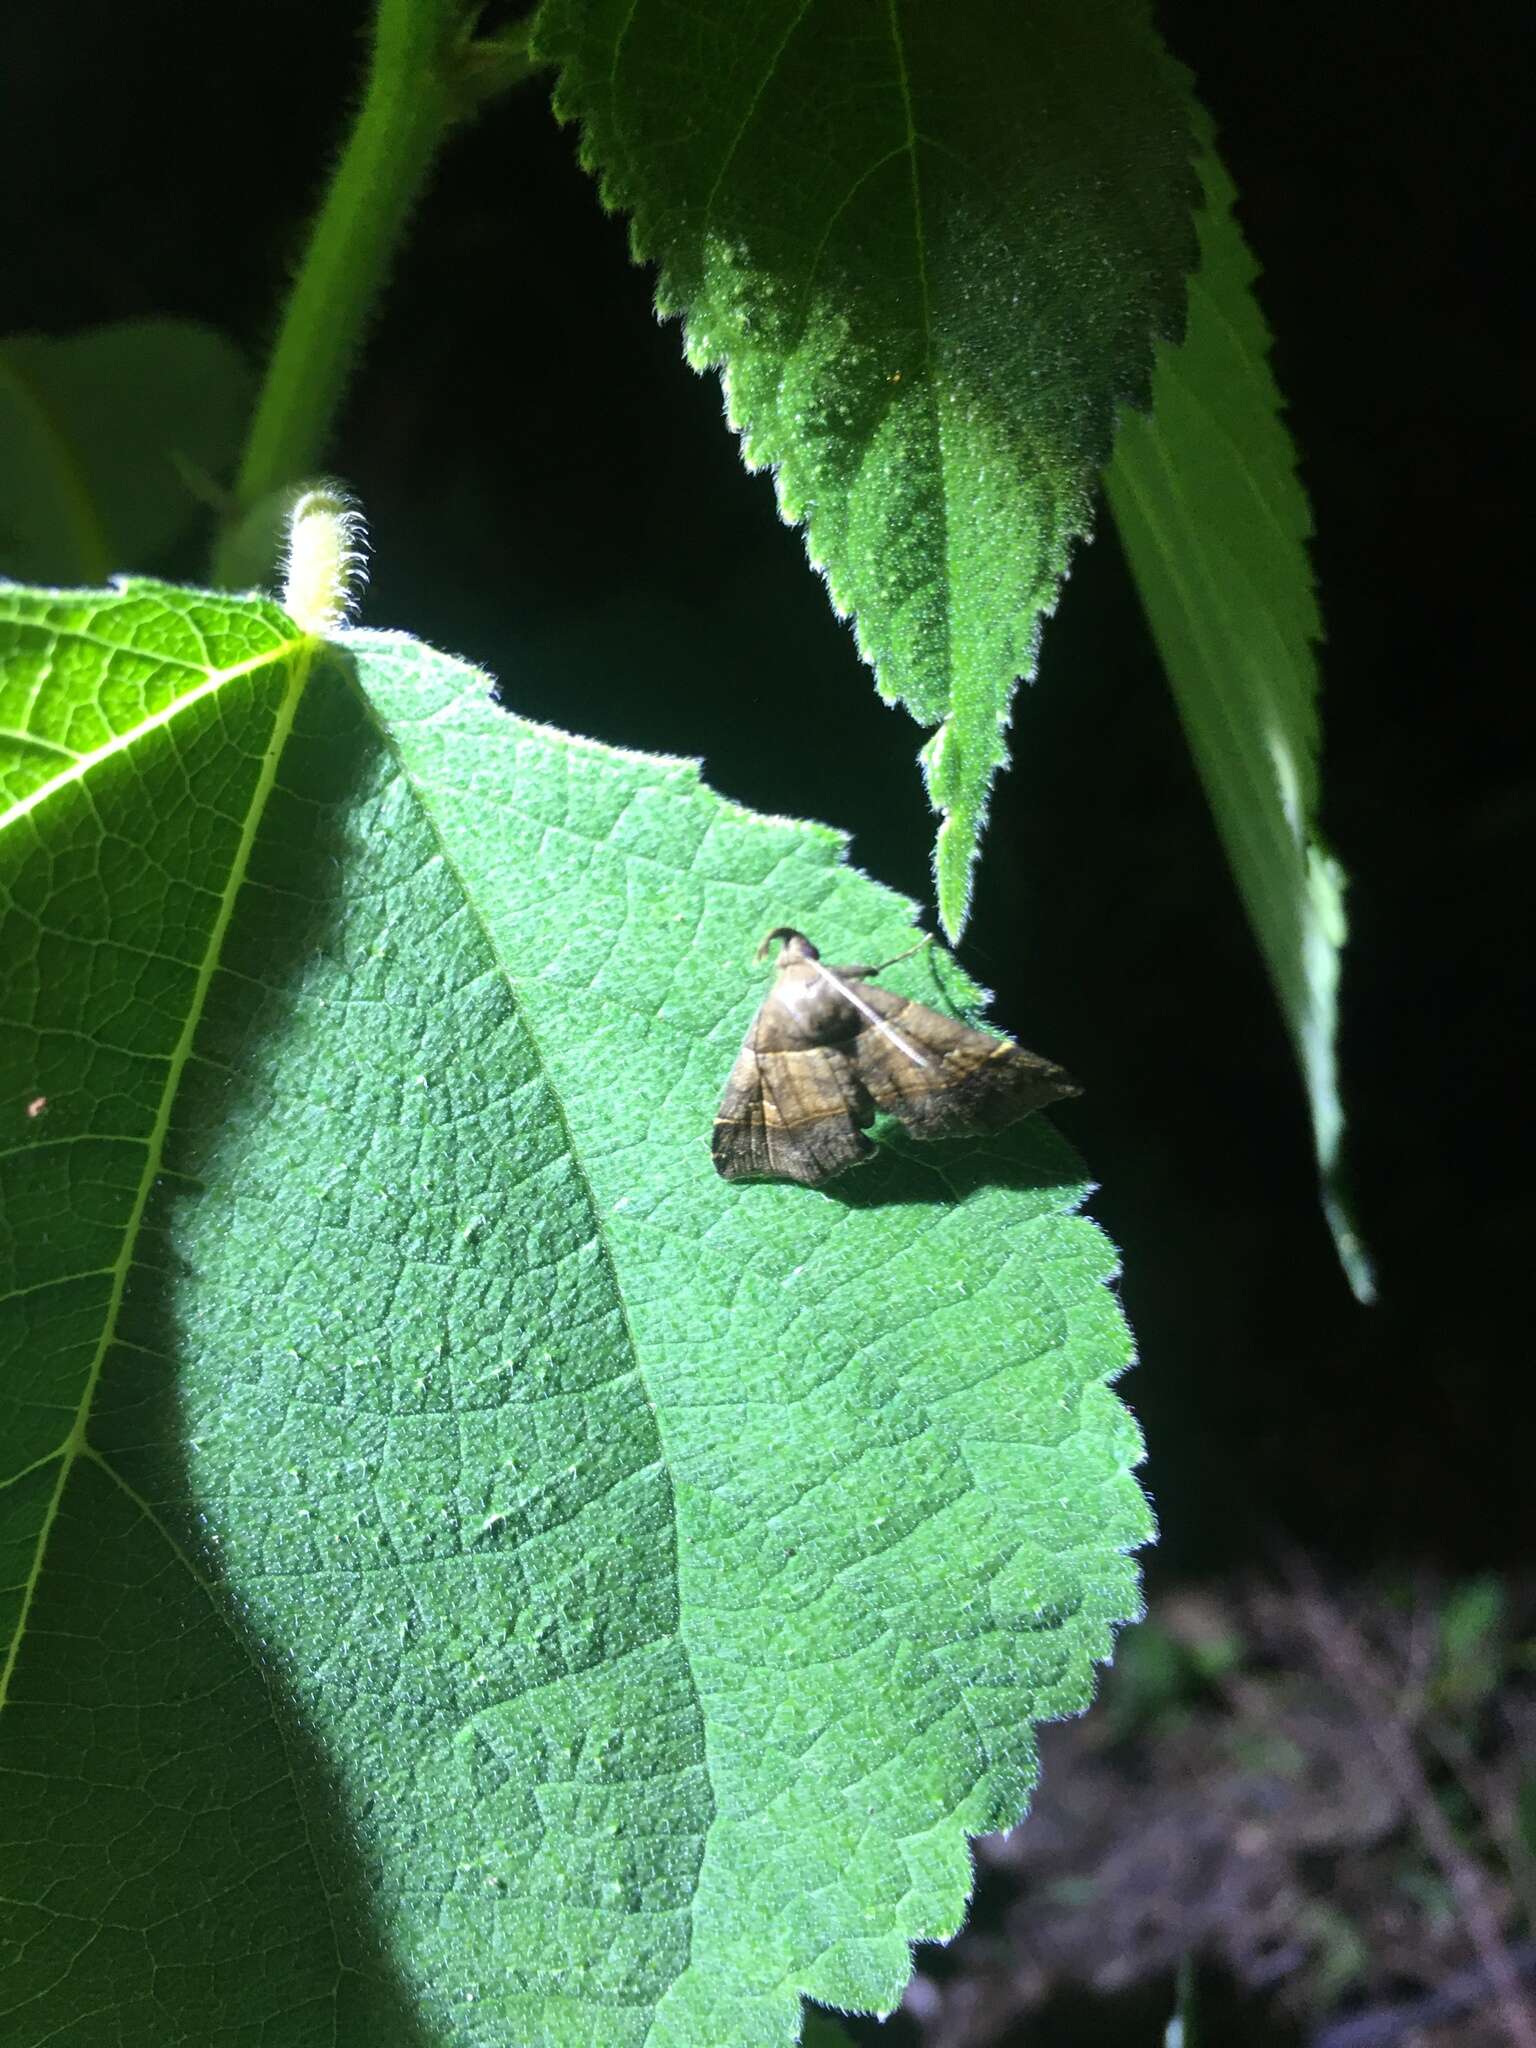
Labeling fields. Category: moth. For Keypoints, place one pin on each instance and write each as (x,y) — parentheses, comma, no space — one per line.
(827,1049)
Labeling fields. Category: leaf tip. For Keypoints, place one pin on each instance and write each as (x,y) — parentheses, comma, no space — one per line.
(1353,1252)
(954,857)
(954,846)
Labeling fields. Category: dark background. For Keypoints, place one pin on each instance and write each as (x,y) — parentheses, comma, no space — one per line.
(551,493)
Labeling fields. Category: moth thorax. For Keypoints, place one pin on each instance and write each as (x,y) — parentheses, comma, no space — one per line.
(816,1004)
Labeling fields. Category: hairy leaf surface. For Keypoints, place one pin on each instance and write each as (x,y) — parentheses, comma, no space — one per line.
(476,1576)
(930,248)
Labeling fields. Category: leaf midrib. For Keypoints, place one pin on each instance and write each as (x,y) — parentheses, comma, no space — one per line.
(429,815)
(74,1444)
(925,297)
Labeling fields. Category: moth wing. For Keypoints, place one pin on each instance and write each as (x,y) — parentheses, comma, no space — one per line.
(740,1141)
(944,1080)
(791,1115)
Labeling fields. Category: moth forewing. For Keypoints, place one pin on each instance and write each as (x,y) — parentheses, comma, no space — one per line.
(812,1072)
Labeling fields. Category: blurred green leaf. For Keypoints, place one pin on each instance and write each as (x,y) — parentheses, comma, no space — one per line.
(476,1576)
(1431,1892)
(1152,1681)
(1525,1816)
(930,249)
(1160,1675)
(1471,1620)
(1473,1654)
(1342,1955)
(106,439)
(1215,525)
(823,2032)
(1184,2030)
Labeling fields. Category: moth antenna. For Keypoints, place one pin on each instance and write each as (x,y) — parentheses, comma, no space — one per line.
(325,558)
(925,940)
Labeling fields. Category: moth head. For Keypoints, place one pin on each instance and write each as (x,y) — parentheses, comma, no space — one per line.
(796,946)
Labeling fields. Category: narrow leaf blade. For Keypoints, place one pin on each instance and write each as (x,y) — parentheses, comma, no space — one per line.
(1215,523)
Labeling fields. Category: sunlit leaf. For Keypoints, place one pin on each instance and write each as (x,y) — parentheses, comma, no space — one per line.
(477,1577)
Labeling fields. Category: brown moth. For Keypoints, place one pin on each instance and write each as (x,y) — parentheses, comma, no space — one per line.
(826,1050)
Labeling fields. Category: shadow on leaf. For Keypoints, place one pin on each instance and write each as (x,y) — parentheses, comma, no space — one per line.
(941,1173)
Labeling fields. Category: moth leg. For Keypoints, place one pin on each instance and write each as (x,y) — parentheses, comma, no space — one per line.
(866,973)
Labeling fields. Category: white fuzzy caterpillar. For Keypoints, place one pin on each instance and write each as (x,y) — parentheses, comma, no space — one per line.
(325,558)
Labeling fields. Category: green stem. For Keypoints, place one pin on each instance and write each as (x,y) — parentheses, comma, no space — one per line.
(426,73)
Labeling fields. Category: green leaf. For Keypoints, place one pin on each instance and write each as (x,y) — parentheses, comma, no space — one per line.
(1215,525)
(479,1577)
(1472,1656)
(106,438)
(1184,2029)
(930,247)
(1525,1817)
(1470,1620)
